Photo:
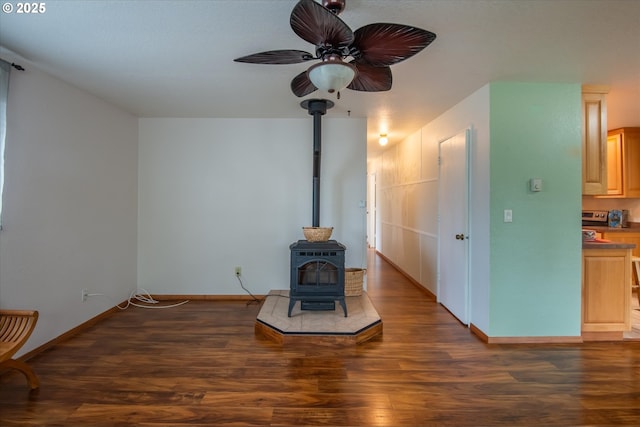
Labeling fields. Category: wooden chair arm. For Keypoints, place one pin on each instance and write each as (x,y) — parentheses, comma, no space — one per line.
(15,328)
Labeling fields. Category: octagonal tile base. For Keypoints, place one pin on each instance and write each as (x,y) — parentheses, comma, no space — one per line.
(308,326)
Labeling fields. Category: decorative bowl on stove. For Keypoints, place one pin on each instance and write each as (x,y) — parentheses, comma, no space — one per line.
(317,234)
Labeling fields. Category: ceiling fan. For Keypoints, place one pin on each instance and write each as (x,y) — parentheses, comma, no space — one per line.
(373,48)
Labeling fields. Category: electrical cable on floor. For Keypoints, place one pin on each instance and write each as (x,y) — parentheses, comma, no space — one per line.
(146,298)
(255,300)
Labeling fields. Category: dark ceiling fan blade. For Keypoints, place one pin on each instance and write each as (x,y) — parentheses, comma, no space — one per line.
(277,57)
(318,25)
(370,78)
(387,44)
(301,85)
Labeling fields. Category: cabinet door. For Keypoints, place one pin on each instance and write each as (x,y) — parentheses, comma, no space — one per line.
(606,290)
(614,165)
(623,163)
(594,144)
(631,147)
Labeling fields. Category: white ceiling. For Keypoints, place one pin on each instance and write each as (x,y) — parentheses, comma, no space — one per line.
(161,58)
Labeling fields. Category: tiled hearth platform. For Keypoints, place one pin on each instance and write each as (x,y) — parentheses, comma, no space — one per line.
(308,326)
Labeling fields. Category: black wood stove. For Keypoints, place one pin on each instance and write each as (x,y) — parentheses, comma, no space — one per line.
(317,268)
(317,275)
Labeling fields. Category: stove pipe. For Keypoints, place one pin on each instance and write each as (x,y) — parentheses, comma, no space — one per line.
(317,108)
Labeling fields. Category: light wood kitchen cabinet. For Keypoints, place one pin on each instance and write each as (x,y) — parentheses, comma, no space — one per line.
(606,293)
(623,163)
(614,165)
(624,237)
(594,140)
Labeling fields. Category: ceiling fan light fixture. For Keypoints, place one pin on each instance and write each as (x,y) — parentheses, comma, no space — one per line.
(331,75)
(383,139)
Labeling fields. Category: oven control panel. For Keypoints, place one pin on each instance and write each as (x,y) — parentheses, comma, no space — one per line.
(595,216)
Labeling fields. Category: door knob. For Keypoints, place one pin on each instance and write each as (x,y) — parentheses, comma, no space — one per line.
(459,236)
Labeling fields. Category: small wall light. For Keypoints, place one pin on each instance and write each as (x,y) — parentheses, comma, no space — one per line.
(383,139)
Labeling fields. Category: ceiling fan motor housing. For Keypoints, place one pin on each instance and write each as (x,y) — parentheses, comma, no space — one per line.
(335,6)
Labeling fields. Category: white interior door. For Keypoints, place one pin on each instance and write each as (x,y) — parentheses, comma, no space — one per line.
(453,280)
(371,210)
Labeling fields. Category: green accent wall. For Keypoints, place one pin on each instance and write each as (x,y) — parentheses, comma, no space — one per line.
(535,261)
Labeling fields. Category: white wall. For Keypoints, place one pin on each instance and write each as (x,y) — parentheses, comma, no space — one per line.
(220,193)
(408,199)
(70,197)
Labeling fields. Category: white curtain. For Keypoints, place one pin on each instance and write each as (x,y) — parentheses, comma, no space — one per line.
(5,70)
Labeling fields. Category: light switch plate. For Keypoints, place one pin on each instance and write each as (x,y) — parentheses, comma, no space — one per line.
(508,215)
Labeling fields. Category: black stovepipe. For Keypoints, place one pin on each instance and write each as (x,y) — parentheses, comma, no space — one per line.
(317,108)
(317,151)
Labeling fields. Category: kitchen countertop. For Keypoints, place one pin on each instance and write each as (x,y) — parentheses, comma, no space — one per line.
(634,227)
(606,244)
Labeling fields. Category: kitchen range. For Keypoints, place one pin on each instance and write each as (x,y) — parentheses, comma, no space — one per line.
(617,218)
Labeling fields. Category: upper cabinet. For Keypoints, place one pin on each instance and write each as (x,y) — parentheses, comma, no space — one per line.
(623,163)
(614,164)
(594,140)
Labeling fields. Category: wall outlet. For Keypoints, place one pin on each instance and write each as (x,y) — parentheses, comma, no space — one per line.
(238,271)
(85,295)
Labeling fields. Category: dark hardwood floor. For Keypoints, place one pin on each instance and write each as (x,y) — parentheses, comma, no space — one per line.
(201,364)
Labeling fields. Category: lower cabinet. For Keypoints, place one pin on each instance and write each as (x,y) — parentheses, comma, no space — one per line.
(606,293)
(624,237)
